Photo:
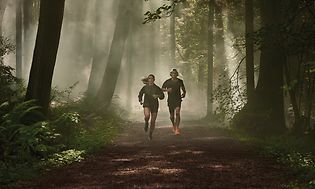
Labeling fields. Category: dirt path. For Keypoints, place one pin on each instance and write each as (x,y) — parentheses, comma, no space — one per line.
(199,158)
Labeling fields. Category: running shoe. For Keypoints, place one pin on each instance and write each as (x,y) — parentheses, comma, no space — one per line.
(173,128)
(177,131)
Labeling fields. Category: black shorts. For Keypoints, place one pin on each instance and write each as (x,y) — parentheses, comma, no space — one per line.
(153,107)
(172,105)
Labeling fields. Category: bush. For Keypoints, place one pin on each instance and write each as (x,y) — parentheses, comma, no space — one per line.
(9,85)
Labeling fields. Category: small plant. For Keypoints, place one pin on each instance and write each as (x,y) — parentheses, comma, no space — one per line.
(230,100)
(24,133)
(66,157)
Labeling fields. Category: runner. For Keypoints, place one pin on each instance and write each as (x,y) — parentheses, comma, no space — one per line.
(173,87)
(150,103)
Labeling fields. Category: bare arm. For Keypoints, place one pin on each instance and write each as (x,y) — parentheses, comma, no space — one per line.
(183,89)
(140,95)
(161,94)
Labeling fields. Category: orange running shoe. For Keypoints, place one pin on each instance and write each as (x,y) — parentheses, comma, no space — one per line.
(174,129)
(177,131)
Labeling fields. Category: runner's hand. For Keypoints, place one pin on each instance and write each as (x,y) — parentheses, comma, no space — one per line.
(155,96)
(169,90)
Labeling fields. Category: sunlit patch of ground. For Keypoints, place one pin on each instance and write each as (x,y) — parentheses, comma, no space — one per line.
(171,171)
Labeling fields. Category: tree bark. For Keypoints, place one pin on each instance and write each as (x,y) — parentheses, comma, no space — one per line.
(173,38)
(3,5)
(18,38)
(133,46)
(203,45)
(45,52)
(210,58)
(108,85)
(29,7)
(220,52)
(100,53)
(270,82)
(249,29)
(265,114)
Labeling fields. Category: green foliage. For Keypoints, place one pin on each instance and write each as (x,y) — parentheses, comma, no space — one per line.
(294,151)
(5,47)
(22,138)
(11,89)
(62,97)
(162,11)
(67,124)
(65,157)
(230,101)
(30,143)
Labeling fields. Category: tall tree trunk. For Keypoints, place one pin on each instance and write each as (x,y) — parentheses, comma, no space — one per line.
(108,85)
(270,81)
(133,46)
(293,93)
(100,53)
(18,38)
(3,5)
(292,67)
(210,58)
(149,37)
(152,54)
(203,45)
(28,19)
(173,38)
(27,15)
(45,52)
(130,67)
(157,43)
(249,29)
(220,52)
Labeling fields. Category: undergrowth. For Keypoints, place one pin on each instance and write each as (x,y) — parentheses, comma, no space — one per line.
(296,152)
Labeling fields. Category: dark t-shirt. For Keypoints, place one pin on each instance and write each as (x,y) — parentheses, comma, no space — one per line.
(148,91)
(175,85)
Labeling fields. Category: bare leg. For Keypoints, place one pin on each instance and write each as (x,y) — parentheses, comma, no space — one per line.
(172,118)
(146,112)
(152,123)
(177,119)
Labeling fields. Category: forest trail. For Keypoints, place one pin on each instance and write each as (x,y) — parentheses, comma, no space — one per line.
(200,157)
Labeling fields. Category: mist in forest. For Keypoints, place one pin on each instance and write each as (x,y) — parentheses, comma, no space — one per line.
(88,29)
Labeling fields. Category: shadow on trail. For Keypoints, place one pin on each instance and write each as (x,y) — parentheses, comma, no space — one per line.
(200,157)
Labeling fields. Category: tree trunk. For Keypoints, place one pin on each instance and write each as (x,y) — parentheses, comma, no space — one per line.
(3,5)
(100,53)
(157,43)
(18,38)
(270,82)
(45,52)
(265,114)
(133,46)
(210,58)
(108,85)
(203,45)
(220,52)
(28,19)
(173,38)
(249,29)
(130,68)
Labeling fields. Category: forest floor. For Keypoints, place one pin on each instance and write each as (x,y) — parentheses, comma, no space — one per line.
(201,157)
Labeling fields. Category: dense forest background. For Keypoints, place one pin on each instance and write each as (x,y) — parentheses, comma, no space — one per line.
(65,64)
